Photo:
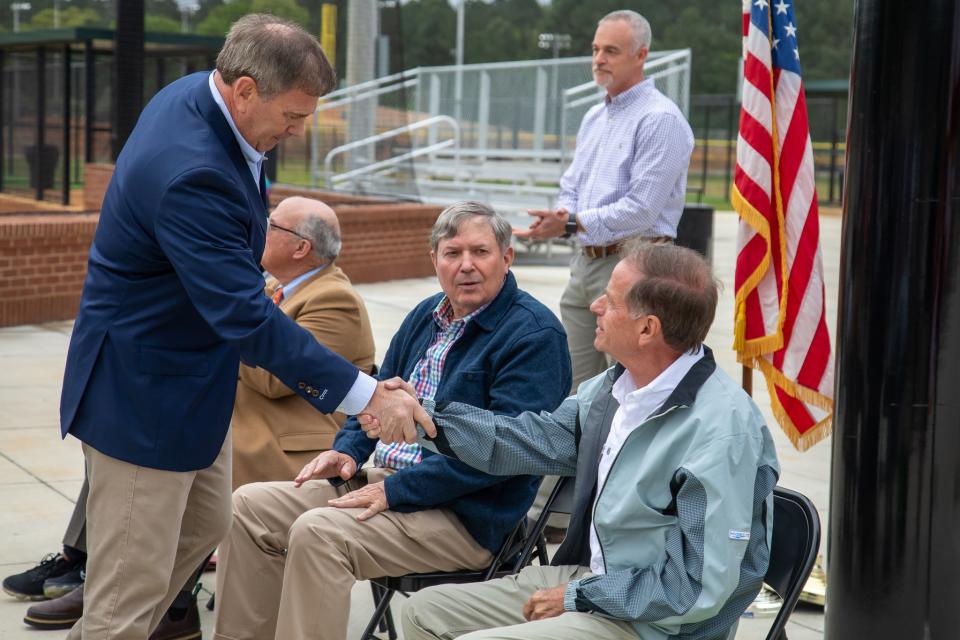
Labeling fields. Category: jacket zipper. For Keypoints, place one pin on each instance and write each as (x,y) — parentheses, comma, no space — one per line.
(593,514)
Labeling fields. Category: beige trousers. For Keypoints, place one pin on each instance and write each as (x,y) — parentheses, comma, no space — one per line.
(287,567)
(494,611)
(148,530)
(588,279)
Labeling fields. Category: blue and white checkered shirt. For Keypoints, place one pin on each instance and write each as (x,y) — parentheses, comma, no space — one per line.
(629,172)
(425,378)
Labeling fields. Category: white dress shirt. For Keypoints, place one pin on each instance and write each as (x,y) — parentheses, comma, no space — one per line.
(629,171)
(636,405)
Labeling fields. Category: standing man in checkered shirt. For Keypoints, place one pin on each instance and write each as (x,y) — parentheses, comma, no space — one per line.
(627,179)
(295,548)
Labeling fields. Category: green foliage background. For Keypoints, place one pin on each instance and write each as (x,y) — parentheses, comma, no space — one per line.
(422,32)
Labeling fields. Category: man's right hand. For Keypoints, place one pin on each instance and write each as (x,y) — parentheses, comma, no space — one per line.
(396,414)
(327,465)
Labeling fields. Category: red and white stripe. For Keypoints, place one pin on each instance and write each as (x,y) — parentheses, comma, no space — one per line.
(781,325)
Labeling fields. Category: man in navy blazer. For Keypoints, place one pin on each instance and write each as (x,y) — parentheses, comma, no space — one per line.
(172,302)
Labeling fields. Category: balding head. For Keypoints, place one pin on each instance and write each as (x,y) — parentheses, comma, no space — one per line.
(304,234)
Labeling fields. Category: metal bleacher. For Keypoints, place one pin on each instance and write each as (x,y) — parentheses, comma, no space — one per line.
(500,132)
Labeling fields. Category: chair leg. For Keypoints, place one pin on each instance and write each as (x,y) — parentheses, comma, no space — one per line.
(377,597)
(542,551)
(383,605)
(391,629)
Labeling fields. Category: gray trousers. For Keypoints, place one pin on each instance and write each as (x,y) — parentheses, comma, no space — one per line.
(588,280)
(76,534)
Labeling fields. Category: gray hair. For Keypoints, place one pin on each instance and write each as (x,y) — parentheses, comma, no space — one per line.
(278,54)
(677,287)
(642,35)
(449,221)
(324,240)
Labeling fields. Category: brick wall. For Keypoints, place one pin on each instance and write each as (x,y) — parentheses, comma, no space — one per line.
(43,256)
(381,240)
(43,260)
(96,177)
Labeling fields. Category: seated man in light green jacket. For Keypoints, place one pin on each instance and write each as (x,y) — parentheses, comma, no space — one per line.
(675,469)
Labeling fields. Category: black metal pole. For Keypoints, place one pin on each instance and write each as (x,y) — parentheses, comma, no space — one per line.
(128,71)
(895,494)
(39,155)
(90,98)
(834,139)
(3,116)
(74,128)
(706,150)
(65,196)
(731,145)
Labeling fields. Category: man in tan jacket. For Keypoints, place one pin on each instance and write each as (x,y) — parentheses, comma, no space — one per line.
(275,431)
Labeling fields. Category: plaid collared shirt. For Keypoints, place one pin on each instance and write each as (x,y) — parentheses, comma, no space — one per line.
(425,378)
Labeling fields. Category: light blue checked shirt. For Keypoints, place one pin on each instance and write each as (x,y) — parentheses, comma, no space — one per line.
(629,172)
(426,380)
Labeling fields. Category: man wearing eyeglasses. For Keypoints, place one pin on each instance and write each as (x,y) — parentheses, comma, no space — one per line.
(275,431)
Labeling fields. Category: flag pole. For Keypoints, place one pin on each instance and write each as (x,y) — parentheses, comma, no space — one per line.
(746,379)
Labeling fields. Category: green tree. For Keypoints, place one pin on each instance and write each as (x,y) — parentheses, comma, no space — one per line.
(69,17)
(158,23)
(219,18)
(429,29)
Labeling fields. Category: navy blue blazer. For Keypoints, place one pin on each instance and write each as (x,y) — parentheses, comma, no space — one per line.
(173,297)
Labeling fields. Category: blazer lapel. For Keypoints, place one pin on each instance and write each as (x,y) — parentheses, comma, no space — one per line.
(211,113)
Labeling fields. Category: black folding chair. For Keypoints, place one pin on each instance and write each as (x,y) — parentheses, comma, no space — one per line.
(516,553)
(796,539)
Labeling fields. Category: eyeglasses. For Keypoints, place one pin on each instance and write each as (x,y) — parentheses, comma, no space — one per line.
(274,225)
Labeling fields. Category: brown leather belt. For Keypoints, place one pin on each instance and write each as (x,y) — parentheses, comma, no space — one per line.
(613,249)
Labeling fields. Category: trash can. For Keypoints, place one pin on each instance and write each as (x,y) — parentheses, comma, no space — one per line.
(42,170)
(695,230)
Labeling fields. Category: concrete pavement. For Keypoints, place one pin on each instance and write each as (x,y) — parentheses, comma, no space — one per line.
(40,475)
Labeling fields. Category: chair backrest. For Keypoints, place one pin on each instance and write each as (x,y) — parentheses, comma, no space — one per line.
(559,501)
(796,540)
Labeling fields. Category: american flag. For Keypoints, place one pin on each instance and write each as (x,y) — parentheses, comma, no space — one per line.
(780,327)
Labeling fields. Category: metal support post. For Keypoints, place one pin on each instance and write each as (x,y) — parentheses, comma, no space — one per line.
(895,490)
(67,94)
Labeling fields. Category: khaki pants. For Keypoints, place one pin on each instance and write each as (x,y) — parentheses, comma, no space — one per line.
(588,280)
(287,567)
(494,610)
(148,530)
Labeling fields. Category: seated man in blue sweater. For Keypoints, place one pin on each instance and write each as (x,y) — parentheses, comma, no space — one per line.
(295,548)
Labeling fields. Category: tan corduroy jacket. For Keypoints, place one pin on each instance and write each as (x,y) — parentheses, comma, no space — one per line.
(276,432)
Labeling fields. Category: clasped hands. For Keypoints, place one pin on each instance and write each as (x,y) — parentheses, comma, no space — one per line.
(548,224)
(372,498)
(394,412)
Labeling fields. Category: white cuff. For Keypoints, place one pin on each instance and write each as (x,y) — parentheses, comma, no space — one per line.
(359,395)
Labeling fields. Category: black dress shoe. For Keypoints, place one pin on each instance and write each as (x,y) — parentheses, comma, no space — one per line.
(181,621)
(57,614)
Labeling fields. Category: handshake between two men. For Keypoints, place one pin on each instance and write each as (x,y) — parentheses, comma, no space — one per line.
(665,426)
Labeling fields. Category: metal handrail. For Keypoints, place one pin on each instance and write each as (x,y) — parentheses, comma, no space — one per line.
(366,94)
(420,124)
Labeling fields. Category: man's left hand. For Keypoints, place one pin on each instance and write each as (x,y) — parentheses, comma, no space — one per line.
(548,224)
(372,497)
(545,603)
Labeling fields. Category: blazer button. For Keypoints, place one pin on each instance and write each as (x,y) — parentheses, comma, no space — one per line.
(302,385)
(315,393)
(309,389)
